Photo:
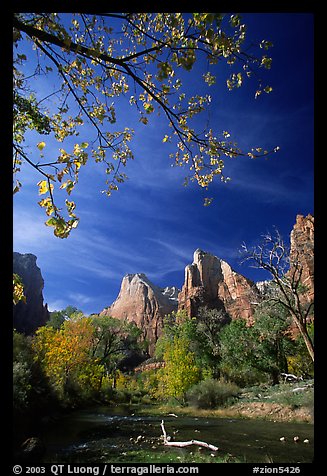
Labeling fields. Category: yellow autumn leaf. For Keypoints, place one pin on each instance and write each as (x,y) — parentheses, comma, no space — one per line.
(41,145)
(43,187)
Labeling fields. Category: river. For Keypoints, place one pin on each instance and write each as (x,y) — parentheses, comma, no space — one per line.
(107,434)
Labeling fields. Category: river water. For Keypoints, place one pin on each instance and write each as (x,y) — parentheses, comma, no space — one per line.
(106,434)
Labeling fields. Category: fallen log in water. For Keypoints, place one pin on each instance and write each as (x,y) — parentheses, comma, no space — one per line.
(182,444)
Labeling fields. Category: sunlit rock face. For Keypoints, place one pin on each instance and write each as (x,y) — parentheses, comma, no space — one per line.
(145,304)
(302,253)
(210,281)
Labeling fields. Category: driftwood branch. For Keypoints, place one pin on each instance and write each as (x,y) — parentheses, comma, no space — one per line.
(181,444)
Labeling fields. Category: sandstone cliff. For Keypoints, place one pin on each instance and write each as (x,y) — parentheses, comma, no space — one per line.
(302,252)
(210,281)
(27,317)
(142,302)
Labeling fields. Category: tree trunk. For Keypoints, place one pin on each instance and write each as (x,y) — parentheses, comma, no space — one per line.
(304,333)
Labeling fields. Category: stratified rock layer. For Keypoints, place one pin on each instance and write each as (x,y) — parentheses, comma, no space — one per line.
(145,304)
(27,317)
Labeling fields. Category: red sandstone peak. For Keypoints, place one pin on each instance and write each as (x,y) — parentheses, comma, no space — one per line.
(140,301)
(210,281)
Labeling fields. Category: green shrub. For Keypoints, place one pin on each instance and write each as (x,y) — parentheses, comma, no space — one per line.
(21,384)
(242,376)
(211,393)
(304,398)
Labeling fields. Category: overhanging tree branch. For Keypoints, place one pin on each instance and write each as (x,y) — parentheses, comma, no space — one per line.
(147,50)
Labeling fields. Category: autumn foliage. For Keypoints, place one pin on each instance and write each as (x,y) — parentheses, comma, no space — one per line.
(65,357)
(94,64)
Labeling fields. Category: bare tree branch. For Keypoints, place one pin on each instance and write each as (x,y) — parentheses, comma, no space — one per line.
(182,444)
(273,256)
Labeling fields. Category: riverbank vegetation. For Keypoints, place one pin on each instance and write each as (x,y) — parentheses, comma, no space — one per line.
(206,364)
(288,402)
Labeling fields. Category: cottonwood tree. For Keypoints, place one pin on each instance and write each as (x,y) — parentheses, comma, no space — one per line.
(273,255)
(112,340)
(64,356)
(208,325)
(94,60)
(181,371)
(249,353)
(272,339)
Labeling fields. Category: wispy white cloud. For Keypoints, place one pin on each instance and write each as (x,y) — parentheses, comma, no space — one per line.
(57,304)
(30,231)
(81,298)
(269,189)
(173,249)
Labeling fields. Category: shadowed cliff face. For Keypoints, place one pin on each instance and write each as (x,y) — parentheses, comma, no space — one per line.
(142,302)
(210,281)
(28,317)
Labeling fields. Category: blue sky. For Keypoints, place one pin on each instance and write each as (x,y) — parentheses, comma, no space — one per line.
(153,224)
